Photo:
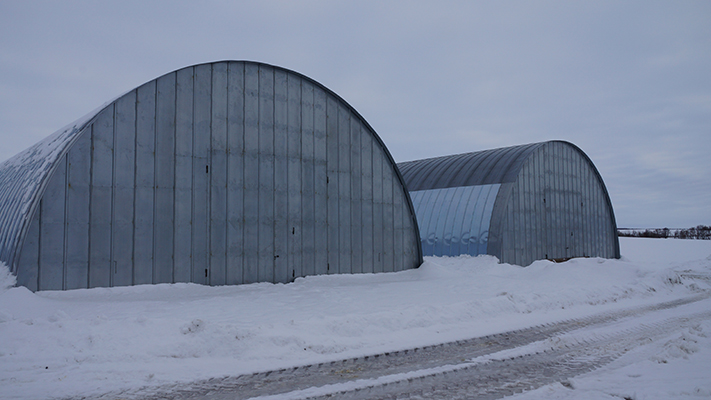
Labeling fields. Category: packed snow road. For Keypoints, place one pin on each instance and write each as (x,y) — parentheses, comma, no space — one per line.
(487,367)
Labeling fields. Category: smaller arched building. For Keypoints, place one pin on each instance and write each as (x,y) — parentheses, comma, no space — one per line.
(521,204)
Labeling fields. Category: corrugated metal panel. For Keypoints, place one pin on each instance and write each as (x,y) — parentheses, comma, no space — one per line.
(469,169)
(227,172)
(144,196)
(550,202)
(124,192)
(455,220)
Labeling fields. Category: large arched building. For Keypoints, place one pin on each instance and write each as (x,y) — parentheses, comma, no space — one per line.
(220,173)
(520,204)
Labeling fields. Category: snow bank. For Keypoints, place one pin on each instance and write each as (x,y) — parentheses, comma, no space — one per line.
(84,342)
(7,279)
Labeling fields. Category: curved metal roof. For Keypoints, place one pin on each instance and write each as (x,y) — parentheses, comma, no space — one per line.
(24,177)
(469,169)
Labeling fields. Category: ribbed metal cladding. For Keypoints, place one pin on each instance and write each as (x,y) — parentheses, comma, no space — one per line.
(520,204)
(222,173)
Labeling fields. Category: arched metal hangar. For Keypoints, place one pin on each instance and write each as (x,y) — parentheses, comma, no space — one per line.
(521,204)
(221,173)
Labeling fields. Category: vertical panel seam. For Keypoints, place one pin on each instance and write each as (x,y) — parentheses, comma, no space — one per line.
(112,269)
(274,172)
(155,182)
(193,228)
(227,173)
(66,225)
(209,181)
(39,244)
(135,171)
(175,169)
(244,144)
(91,198)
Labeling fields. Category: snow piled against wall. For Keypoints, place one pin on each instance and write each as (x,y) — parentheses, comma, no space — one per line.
(7,279)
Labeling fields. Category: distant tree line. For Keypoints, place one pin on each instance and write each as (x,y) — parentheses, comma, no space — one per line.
(702,232)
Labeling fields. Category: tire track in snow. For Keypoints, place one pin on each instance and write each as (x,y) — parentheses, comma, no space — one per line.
(508,372)
(448,371)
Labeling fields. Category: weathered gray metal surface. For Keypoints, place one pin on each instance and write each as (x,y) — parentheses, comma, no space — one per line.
(221,173)
(550,203)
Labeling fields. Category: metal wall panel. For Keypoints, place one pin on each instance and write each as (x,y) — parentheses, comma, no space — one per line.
(28,275)
(281,183)
(218,176)
(77,211)
(332,185)
(202,117)
(308,187)
(366,190)
(294,228)
(51,231)
(235,174)
(251,173)
(163,232)
(321,182)
(222,173)
(388,215)
(124,191)
(267,255)
(356,198)
(344,191)
(398,247)
(183,217)
(145,185)
(101,201)
(379,232)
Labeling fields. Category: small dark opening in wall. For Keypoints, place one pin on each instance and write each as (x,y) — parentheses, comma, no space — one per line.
(207,169)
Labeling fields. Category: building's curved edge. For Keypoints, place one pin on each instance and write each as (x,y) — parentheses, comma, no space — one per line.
(355,112)
(423,170)
(73,131)
(604,189)
(505,192)
(25,177)
(502,198)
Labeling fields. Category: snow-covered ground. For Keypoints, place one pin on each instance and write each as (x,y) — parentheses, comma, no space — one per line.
(89,342)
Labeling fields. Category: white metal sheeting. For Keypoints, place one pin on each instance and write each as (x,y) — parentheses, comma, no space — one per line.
(222,173)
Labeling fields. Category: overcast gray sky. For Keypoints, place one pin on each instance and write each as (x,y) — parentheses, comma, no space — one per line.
(629,82)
